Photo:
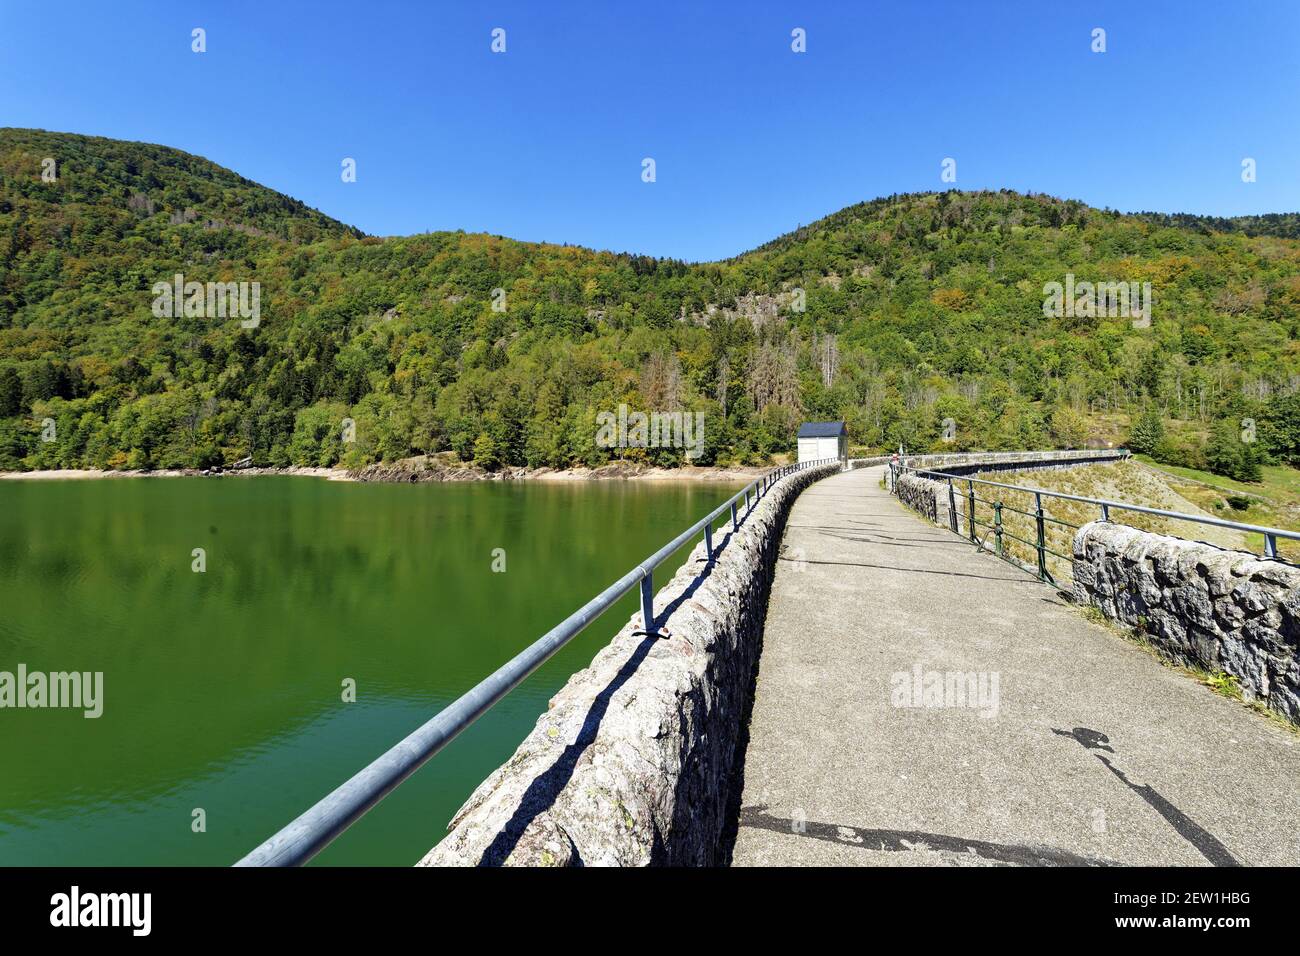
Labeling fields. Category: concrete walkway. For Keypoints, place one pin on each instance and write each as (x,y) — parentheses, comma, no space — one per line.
(1085,751)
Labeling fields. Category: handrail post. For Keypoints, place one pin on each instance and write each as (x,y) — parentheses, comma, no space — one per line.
(735,524)
(648,602)
(970,513)
(1105,512)
(997,525)
(708,542)
(1270,545)
(952,508)
(1042,537)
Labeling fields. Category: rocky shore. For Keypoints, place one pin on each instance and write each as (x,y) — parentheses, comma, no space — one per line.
(431,469)
(425,469)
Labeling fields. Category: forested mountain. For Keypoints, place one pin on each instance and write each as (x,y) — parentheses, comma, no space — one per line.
(893,314)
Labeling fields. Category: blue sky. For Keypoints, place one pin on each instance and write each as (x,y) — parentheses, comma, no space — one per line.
(545,141)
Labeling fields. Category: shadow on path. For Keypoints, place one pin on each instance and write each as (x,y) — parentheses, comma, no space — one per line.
(873,536)
(910,841)
(1204,841)
(886,567)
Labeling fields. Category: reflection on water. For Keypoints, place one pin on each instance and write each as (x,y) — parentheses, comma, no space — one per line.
(223,689)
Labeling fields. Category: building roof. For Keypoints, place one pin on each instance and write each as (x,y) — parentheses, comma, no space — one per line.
(822,430)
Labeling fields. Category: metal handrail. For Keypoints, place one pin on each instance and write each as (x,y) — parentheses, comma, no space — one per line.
(315,829)
(1270,534)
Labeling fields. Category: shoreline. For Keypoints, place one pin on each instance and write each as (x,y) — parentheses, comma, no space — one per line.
(86,474)
(408,474)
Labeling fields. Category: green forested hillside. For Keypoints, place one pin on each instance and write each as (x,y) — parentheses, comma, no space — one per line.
(893,314)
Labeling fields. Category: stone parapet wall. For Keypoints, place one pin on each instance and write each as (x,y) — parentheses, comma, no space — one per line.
(928,498)
(1220,610)
(634,761)
(968,463)
(868,462)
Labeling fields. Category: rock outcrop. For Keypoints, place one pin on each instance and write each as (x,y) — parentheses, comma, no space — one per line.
(423,468)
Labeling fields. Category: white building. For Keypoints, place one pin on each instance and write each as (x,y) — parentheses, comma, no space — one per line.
(823,440)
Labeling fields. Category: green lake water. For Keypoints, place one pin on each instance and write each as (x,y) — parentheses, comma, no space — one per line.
(223,689)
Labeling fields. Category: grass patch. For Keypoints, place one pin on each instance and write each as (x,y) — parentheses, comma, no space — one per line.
(1273,502)
(1223,684)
